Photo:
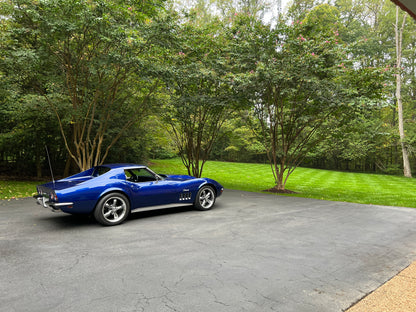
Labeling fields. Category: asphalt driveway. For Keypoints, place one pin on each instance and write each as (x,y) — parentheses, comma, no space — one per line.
(252,252)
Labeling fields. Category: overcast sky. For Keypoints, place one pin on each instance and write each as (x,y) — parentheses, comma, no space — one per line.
(273,13)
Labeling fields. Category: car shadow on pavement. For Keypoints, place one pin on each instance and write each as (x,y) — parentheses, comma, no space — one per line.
(63,220)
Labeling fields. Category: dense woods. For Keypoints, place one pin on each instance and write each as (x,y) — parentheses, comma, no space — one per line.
(325,84)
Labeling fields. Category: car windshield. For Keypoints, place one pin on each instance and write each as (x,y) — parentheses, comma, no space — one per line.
(141,175)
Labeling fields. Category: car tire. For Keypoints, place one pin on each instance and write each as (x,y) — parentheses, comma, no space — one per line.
(205,198)
(112,209)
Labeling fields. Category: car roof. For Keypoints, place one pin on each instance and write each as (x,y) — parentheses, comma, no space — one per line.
(121,165)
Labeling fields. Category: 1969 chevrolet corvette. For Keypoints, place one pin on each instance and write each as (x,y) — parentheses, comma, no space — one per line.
(111,192)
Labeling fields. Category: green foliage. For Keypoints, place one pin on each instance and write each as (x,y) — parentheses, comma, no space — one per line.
(322,19)
(90,61)
(299,8)
(351,146)
(238,142)
(83,76)
(200,93)
(146,139)
(298,78)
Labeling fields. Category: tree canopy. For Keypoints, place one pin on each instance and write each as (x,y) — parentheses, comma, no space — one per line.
(90,62)
(299,77)
(96,80)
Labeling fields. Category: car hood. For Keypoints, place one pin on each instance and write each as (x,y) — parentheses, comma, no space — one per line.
(178,177)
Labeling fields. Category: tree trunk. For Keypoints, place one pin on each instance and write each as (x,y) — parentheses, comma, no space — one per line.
(399,38)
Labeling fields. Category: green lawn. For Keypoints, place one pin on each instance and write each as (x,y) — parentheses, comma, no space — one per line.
(17,189)
(311,183)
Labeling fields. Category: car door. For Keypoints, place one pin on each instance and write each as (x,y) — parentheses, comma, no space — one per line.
(148,189)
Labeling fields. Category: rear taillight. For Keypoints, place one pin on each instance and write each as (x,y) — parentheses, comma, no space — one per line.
(53,197)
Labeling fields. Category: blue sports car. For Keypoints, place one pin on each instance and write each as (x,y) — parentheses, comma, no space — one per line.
(111,192)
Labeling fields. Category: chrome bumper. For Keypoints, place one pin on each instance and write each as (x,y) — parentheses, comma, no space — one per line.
(44,201)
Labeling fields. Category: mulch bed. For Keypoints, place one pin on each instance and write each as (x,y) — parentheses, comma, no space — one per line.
(275,190)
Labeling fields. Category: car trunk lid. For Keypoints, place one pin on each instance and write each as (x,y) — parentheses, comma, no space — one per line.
(64,183)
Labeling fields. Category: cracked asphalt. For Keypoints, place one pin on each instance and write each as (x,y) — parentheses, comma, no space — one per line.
(252,252)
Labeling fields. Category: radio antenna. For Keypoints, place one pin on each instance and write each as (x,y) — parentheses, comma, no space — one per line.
(50,166)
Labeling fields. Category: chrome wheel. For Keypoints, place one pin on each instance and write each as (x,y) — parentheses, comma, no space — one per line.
(205,198)
(112,209)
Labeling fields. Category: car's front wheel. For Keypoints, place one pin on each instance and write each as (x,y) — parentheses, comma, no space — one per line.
(205,199)
(112,209)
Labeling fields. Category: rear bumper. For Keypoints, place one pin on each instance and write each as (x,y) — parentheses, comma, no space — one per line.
(44,202)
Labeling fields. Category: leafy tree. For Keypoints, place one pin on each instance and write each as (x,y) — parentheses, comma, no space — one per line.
(66,66)
(27,123)
(200,92)
(378,20)
(356,145)
(298,78)
(91,62)
(299,8)
(31,126)
(238,142)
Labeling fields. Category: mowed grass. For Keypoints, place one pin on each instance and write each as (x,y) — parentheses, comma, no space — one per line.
(311,183)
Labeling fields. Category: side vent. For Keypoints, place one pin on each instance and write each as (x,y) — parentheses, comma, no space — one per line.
(185,195)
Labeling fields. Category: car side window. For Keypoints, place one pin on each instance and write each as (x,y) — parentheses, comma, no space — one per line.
(139,175)
(99,171)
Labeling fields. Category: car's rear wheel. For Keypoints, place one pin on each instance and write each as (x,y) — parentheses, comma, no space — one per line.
(112,209)
(205,199)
